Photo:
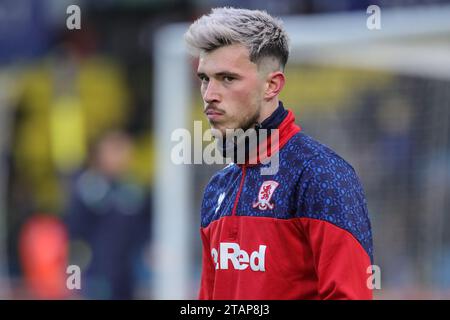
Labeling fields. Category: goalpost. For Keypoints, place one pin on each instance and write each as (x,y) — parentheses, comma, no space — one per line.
(411,43)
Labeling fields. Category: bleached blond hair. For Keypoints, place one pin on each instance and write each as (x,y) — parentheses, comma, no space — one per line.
(263,35)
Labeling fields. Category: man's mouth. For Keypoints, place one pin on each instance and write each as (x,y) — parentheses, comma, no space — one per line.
(213,115)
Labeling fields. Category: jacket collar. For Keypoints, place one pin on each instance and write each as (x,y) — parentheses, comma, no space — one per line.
(271,135)
(273,143)
(275,119)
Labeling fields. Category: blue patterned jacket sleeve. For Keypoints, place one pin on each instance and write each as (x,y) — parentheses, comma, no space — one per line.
(331,191)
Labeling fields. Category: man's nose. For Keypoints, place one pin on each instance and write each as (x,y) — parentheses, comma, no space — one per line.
(211,93)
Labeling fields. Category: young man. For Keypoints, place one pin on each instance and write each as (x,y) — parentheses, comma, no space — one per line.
(300,233)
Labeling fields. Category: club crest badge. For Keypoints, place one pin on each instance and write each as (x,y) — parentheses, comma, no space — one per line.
(265,194)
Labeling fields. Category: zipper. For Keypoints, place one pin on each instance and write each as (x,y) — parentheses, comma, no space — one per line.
(233,213)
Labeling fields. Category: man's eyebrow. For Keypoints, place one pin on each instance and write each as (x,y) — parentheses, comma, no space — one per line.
(220,74)
(227,74)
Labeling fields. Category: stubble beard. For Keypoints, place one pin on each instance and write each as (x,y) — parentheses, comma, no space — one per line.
(226,140)
(246,123)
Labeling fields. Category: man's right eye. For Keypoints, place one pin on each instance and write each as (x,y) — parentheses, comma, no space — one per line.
(203,78)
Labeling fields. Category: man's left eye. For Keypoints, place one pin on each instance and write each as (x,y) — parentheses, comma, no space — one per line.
(228,79)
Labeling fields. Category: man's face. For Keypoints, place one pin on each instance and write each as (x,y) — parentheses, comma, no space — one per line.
(231,87)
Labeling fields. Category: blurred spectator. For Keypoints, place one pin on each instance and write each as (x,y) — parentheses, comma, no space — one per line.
(108,217)
(43,251)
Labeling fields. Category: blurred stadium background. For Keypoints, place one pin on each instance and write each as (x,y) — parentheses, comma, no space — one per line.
(85,136)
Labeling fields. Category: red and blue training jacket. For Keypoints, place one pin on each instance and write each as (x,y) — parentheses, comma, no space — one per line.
(301,233)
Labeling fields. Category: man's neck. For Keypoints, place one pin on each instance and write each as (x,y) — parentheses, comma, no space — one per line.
(239,147)
(275,119)
(268,109)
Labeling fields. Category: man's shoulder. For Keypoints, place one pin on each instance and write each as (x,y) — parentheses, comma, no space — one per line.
(330,191)
(313,155)
(221,176)
(224,172)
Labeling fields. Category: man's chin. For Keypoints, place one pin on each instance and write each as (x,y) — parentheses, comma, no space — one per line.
(218,132)
(223,131)
(215,127)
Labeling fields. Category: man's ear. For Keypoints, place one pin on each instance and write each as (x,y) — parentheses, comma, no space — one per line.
(274,84)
